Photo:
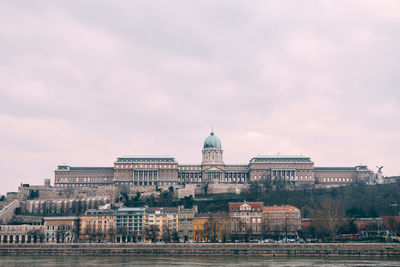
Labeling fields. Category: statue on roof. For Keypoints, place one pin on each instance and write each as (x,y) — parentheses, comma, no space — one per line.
(379,169)
(379,175)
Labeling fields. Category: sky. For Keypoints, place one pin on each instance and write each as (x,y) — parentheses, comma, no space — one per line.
(83,82)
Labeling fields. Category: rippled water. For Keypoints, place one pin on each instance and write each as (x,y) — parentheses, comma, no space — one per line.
(11,261)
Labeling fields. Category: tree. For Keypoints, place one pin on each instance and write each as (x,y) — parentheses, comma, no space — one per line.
(132,236)
(111,234)
(265,229)
(166,233)
(37,235)
(350,227)
(187,202)
(267,183)
(76,230)
(151,233)
(171,189)
(175,236)
(123,193)
(307,212)
(90,233)
(165,196)
(61,234)
(211,229)
(99,235)
(68,191)
(329,218)
(33,194)
(136,198)
(206,188)
(255,189)
(150,201)
(122,233)
(225,228)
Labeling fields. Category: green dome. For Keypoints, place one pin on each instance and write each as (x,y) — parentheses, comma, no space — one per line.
(212,141)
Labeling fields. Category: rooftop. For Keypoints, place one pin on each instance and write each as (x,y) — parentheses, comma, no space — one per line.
(161,210)
(131,210)
(334,168)
(99,212)
(279,158)
(212,141)
(165,158)
(237,205)
(69,168)
(278,208)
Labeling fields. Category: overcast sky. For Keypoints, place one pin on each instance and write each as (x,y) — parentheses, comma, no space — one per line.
(83,82)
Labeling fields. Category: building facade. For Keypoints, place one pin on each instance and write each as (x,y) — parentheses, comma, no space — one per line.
(165,218)
(246,218)
(289,171)
(185,223)
(129,224)
(98,226)
(281,220)
(61,229)
(212,227)
(21,234)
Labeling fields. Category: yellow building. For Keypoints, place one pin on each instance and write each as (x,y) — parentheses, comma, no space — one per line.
(61,229)
(166,219)
(281,220)
(211,227)
(98,226)
(199,222)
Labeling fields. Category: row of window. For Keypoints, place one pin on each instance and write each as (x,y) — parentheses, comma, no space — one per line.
(146,166)
(346,179)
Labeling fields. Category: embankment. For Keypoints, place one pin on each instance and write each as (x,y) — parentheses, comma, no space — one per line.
(200,249)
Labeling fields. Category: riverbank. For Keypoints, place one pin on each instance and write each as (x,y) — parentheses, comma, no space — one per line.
(213,249)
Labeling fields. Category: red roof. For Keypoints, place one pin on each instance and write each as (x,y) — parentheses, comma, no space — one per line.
(278,208)
(306,222)
(237,205)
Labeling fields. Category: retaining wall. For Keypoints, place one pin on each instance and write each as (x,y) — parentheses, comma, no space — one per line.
(232,249)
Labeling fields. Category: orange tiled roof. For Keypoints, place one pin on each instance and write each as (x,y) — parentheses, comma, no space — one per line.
(236,205)
(278,208)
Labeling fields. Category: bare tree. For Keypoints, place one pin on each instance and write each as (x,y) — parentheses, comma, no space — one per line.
(37,235)
(68,191)
(211,229)
(265,229)
(122,233)
(165,233)
(60,235)
(132,236)
(76,230)
(111,234)
(329,218)
(151,233)
(99,234)
(217,228)
(90,233)
(225,228)
(175,236)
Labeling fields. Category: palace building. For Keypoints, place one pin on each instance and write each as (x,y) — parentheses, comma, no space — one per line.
(166,171)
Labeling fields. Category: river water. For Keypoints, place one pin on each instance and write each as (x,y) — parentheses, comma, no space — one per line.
(121,260)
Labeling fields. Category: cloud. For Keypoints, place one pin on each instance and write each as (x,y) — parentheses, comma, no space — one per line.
(85,82)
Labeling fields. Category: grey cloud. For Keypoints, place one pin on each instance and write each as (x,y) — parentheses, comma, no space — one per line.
(150,77)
